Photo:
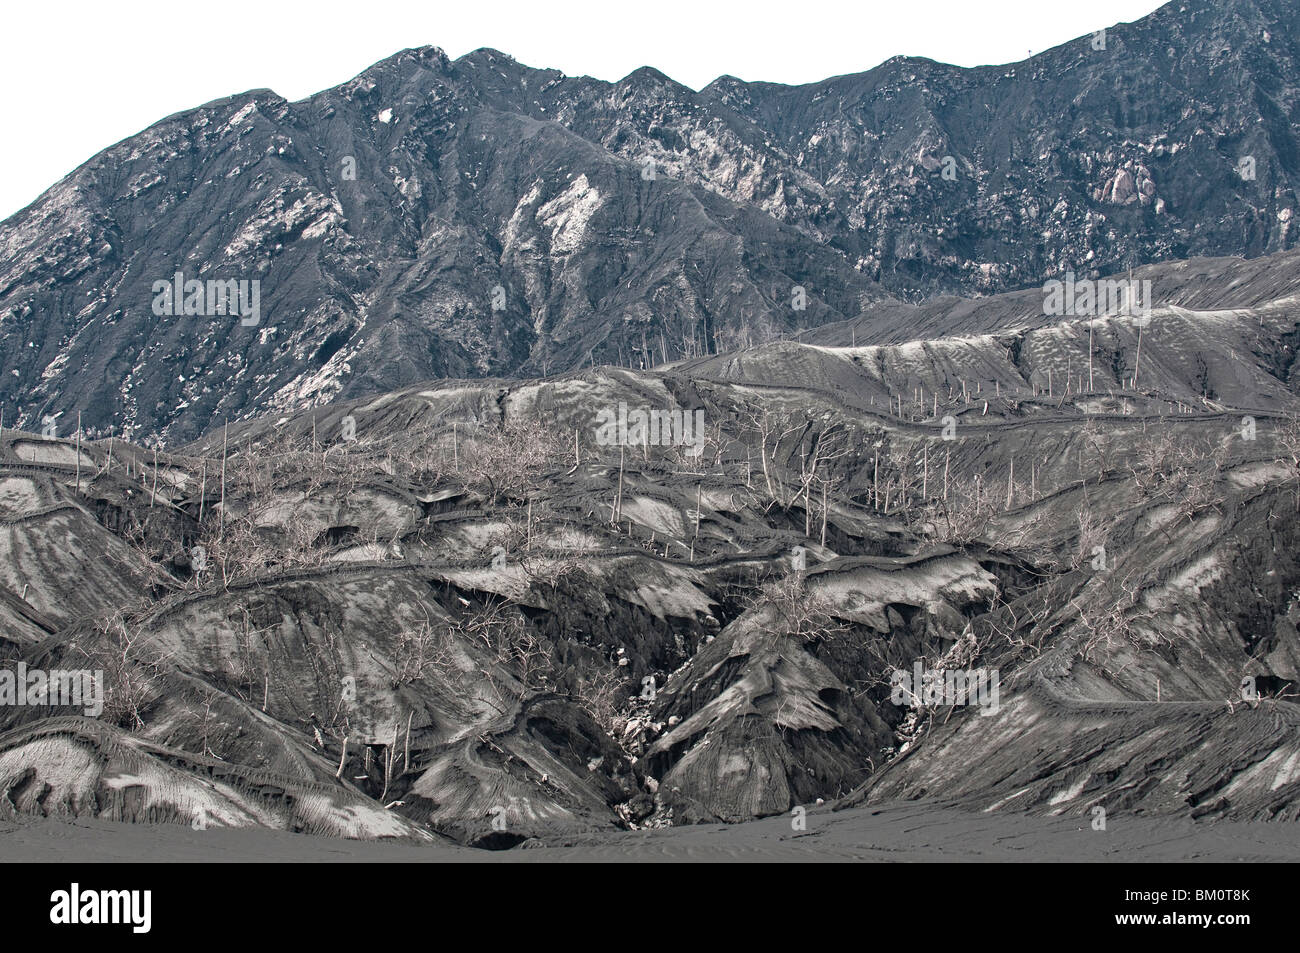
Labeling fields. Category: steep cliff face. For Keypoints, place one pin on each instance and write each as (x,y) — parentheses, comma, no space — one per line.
(476,217)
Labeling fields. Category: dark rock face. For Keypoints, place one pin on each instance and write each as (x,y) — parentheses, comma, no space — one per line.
(478,218)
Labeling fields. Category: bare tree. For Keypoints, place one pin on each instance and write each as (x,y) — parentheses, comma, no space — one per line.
(133,669)
(797,609)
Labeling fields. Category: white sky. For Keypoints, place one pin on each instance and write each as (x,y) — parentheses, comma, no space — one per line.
(79,76)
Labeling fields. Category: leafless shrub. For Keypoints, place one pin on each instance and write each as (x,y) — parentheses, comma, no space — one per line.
(965,514)
(133,670)
(511,644)
(1149,469)
(1199,491)
(507,460)
(425,452)
(514,534)
(1286,437)
(599,695)
(1180,472)
(550,569)
(1105,622)
(1020,624)
(423,650)
(148,533)
(1091,538)
(769,428)
(797,609)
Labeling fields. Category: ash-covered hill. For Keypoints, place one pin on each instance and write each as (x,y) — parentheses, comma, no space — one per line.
(479,218)
(489,611)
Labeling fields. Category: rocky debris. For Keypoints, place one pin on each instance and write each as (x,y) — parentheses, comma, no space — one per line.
(1131,183)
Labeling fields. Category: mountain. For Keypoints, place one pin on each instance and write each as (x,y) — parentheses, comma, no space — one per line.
(478,218)
(539,459)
